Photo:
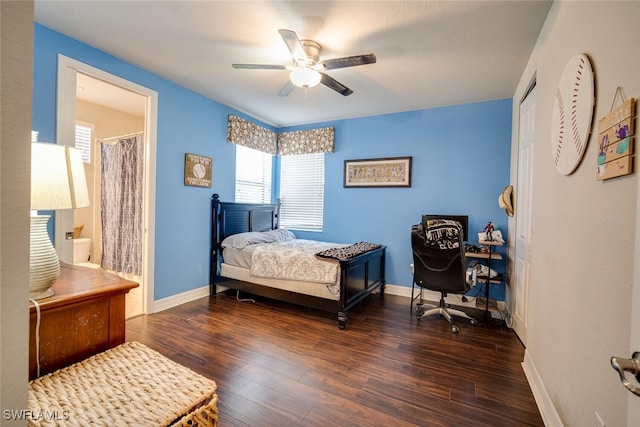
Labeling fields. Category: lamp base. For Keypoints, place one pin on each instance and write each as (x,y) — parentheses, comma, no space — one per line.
(46,294)
(44,265)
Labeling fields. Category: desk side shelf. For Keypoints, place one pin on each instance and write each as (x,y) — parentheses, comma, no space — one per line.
(480,255)
(488,257)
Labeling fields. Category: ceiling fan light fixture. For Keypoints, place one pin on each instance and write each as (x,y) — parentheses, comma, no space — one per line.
(306,69)
(305,77)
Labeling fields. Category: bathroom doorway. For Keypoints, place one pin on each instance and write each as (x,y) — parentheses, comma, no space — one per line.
(110,110)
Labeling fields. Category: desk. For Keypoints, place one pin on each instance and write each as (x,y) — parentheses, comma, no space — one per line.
(84,316)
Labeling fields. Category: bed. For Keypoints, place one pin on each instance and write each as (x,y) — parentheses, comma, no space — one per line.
(359,267)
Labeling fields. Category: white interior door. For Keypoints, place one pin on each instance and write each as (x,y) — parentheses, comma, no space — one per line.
(523,215)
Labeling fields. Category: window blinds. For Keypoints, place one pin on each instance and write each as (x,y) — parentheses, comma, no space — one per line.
(302,191)
(83,141)
(253,175)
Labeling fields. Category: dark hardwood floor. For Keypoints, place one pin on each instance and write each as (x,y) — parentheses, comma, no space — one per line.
(281,365)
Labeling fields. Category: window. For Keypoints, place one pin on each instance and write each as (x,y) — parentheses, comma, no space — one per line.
(302,191)
(83,140)
(253,175)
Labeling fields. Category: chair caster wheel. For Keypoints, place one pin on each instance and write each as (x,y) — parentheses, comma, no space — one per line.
(473,322)
(455,329)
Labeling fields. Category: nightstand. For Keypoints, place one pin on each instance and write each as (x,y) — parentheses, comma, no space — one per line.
(84,316)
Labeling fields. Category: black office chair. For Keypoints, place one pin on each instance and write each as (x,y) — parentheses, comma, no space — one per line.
(439,265)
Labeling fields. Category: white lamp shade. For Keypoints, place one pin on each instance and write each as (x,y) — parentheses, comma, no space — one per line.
(305,77)
(57,177)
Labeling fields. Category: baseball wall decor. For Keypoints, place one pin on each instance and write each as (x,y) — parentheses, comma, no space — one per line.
(197,170)
(572,114)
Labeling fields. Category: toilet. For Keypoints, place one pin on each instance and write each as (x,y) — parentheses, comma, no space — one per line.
(81,250)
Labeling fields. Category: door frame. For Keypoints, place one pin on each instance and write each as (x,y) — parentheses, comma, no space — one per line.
(633,401)
(65,134)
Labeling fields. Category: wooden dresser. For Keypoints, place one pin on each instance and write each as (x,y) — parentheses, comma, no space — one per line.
(85,315)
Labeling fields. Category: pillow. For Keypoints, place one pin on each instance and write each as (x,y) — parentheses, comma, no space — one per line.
(242,240)
(280,235)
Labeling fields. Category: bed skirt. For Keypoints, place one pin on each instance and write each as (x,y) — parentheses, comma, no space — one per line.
(314,289)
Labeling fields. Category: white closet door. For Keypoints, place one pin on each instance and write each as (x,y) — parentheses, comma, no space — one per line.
(523,215)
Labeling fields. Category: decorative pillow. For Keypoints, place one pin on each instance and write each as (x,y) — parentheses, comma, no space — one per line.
(242,240)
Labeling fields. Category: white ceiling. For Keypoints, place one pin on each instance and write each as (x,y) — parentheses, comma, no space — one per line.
(429,53)
(102,93)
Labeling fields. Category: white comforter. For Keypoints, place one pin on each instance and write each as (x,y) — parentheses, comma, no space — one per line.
(295,260)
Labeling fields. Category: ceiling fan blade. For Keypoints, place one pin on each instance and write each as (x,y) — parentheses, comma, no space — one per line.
(294,45)
(259,66)
(286,89)
(332,83)
(349,61)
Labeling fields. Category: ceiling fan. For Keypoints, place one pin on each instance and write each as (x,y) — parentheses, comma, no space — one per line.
(307,69)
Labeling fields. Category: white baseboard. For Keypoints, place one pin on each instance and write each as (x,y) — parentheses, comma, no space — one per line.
(403,291)
(174,300)
(548,411)
(430,296)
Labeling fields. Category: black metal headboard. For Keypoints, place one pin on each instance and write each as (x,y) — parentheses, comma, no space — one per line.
(229,218)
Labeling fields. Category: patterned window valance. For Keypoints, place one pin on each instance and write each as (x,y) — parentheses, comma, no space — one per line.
(243,132)
(306,141)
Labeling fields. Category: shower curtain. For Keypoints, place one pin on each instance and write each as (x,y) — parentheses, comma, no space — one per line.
(121,204)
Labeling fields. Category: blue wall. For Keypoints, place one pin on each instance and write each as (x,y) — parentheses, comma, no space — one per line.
(461,158)
(460,165)
(187,122)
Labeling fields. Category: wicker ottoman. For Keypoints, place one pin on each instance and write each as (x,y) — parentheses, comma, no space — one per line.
(125,386)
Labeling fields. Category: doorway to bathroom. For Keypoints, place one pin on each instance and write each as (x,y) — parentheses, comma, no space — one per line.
(117,120)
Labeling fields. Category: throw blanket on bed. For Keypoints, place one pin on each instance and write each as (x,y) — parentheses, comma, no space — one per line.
(345,253)
(294,260)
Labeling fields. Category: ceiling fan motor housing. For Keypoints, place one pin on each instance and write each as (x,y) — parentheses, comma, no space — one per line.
(313,51)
